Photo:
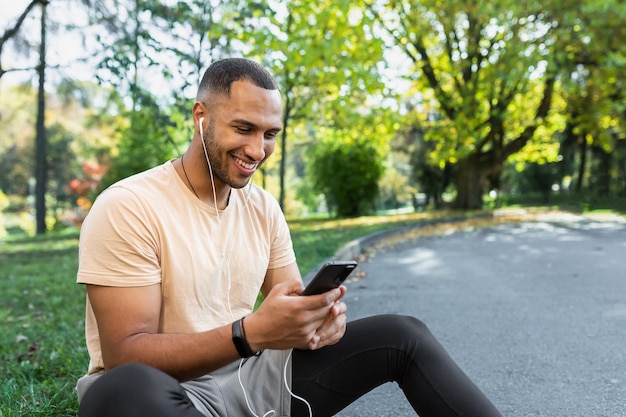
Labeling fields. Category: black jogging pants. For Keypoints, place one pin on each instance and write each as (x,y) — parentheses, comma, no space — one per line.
(374,350)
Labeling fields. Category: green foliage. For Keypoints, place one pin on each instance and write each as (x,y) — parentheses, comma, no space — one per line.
(483,80)
(534,179)
(347,173)
(144,143)
(308,195)
(17,107)
(593,63)
(4,203)
(395,191)
(62,164)
(433,179)
(490,84)
(324,56)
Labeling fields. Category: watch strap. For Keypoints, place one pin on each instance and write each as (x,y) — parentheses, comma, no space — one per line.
(239,339)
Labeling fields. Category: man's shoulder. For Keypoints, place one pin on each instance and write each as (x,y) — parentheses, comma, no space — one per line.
(152,177)
(262,197)
(156,179)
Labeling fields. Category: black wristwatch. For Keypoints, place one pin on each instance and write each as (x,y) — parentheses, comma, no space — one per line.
(239,339)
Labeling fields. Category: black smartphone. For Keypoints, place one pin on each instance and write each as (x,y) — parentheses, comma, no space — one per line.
(331,275)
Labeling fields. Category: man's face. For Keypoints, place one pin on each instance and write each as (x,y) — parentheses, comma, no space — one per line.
(242,131)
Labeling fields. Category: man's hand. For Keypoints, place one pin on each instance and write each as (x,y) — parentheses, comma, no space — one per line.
(333,327)
(286,320)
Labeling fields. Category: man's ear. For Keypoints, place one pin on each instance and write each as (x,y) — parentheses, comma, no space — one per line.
(199,112)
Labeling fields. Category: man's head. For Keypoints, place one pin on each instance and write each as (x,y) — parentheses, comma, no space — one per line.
(219,77)
(238,115)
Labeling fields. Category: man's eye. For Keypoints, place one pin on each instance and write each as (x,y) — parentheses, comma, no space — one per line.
(243,130)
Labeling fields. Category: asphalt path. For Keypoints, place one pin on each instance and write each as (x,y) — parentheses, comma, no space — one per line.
(535,313)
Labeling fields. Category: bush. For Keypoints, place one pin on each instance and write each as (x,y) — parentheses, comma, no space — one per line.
(347,174)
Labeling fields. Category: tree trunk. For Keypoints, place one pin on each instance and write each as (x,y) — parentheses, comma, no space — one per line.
(582,166)
(40,141)
(469,184)
(283,152)
(603,171)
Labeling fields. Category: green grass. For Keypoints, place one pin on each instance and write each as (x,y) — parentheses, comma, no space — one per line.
(41,318)
(572,202)
(42,346)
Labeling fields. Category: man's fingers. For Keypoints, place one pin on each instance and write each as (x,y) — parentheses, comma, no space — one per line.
(329,333)
(338,308)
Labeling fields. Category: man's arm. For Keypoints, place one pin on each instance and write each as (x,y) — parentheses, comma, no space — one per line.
(275,276)
(128,324)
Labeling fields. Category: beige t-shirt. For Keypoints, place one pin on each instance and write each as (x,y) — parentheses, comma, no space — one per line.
(149,228)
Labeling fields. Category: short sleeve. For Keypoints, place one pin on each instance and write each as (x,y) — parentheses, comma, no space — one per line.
(118,245)
(281,253)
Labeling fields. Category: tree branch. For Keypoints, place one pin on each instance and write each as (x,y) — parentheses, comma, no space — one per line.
(542,111)
(12,31)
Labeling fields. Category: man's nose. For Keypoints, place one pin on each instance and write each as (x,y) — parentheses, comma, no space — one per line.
(255,149)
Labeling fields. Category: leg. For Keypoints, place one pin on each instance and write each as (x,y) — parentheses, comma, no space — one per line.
(380,349)
(134,391)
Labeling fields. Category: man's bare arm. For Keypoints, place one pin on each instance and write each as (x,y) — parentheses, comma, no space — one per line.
(128,324)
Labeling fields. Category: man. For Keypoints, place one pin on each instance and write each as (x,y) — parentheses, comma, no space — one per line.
(173,259)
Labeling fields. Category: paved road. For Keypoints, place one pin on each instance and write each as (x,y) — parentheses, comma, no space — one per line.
(535,313)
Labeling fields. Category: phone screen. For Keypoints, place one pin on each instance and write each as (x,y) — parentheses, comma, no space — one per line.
(331,275)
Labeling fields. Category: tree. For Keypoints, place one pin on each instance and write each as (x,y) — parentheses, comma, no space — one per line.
(489,69)
(346,163)
(12,33)
(41,165)
(325,57)
(144,141)
(432,179)
(593,60)
(192,34)
(147,40)
(41,168)
(347,174)
(18,109)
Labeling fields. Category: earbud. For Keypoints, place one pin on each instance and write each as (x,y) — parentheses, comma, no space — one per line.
(201,121)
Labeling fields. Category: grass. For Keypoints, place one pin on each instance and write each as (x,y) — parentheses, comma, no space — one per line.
(41,317)
(42,345)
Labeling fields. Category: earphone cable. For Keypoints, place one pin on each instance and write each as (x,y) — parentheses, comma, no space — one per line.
(225,263)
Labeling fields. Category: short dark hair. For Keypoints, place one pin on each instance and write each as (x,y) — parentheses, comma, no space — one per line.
(220,75)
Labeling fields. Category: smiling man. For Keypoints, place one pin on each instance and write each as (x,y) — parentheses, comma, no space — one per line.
(173,259)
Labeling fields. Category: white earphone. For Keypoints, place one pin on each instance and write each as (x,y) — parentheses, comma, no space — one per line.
(227,260)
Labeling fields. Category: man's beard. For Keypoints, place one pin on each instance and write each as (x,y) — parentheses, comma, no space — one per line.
(215,155)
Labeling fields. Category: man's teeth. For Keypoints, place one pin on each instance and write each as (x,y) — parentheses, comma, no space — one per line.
(245,164)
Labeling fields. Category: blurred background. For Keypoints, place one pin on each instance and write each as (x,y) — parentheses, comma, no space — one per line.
(389,106)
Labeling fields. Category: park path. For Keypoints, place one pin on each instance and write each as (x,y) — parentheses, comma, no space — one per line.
(534,312)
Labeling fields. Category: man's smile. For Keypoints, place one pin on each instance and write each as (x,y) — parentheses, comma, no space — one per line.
(246,165)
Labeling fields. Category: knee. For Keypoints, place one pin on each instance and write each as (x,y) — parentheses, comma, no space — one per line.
(126,384)
(131,376)
(410,332)
(406,325)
